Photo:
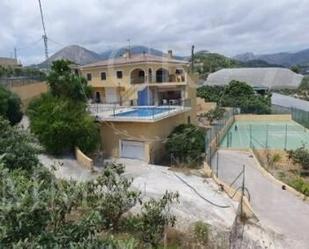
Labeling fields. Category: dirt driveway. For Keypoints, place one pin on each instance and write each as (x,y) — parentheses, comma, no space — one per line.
(281,210)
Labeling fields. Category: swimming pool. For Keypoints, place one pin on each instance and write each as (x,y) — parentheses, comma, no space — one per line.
(145,112)
(273,135)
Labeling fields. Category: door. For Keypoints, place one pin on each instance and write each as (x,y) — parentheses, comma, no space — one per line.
(132,149)
(111,95)
(97,97)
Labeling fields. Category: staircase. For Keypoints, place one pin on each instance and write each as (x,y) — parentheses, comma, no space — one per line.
(131,90)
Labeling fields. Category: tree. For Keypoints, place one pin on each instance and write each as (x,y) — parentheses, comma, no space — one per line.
(64,83)
(214,114)
(295,69)
(10,106)
(239,95)
(17,148)
(186,143)
(61,124)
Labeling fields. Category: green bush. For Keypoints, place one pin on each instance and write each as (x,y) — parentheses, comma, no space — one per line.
(300,156)
(186,143)
(214,114)
(155,217)
(237,94)
(201,232)
(17,150)
(61,124)
(10,106)
(300,185)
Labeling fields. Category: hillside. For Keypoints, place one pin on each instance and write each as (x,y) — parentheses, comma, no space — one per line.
(206,63)
(74,53)
(284,58)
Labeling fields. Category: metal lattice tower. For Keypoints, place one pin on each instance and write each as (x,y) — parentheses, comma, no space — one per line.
(44,36)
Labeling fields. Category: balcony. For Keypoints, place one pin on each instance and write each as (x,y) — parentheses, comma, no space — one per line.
(161,77)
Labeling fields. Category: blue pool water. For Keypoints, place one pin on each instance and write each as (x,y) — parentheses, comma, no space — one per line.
(144,112)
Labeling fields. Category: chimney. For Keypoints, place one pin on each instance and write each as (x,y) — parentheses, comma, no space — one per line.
(170,54)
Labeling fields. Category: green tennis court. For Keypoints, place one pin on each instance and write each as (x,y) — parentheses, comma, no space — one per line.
(272,135)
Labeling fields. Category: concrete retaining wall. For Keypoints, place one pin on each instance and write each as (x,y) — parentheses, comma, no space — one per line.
(272,118)
(83,159)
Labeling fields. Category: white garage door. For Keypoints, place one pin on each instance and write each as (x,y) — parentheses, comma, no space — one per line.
(111,95)
(132,149)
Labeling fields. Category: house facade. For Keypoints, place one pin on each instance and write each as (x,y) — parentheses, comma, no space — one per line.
(139,100)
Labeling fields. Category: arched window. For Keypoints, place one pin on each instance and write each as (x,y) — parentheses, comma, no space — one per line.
(137,76)
(162,75)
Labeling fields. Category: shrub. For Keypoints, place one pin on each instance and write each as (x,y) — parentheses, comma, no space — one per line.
(300,156)
(210,93)
(186,143)
(201,232)
(115,199)
(214,114)
(17,147)
(10,106)
(155,217)
(61,124)
(300,185)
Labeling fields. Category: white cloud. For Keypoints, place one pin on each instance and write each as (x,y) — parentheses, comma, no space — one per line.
(224,26)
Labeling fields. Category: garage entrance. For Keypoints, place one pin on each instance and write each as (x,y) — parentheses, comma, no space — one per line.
(132,149)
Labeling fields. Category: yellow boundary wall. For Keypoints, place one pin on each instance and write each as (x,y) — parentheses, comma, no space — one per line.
(268,117)
(83,159)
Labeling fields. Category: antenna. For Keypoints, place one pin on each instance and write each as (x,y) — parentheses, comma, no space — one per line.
(44,36)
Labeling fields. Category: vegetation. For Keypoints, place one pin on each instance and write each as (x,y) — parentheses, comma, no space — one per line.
(206,63)
(39,211)
(186,144)
(17,149)
(6,72)
(63,83)
(214,114)
(300,156)
(237,94)
(60,124)
(300,185)
(59,118)
(10,106)
(201,232)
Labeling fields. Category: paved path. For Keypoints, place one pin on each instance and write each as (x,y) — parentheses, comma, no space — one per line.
(279,209)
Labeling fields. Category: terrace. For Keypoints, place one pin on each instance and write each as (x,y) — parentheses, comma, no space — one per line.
(115,112)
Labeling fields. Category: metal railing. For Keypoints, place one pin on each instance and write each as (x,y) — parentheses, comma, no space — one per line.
(142,112)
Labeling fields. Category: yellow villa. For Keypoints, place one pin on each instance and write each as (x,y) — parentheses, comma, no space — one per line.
(138,100)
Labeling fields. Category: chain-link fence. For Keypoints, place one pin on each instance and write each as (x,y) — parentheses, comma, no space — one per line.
(300,116)
(214,135)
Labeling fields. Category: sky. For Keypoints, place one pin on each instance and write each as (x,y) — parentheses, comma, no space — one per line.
(229,27)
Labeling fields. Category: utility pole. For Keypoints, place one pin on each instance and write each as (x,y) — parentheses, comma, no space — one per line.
(44,36)
(192,58)
(15,53)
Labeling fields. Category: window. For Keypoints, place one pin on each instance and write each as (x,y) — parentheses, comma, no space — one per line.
(103,76)
(89,76)
(119,74)
(179,71)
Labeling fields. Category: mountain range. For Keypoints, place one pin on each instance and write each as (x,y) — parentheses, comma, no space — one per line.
(284,58)
(82,56)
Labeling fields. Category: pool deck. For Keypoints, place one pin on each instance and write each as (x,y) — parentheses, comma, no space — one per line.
(110,114)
